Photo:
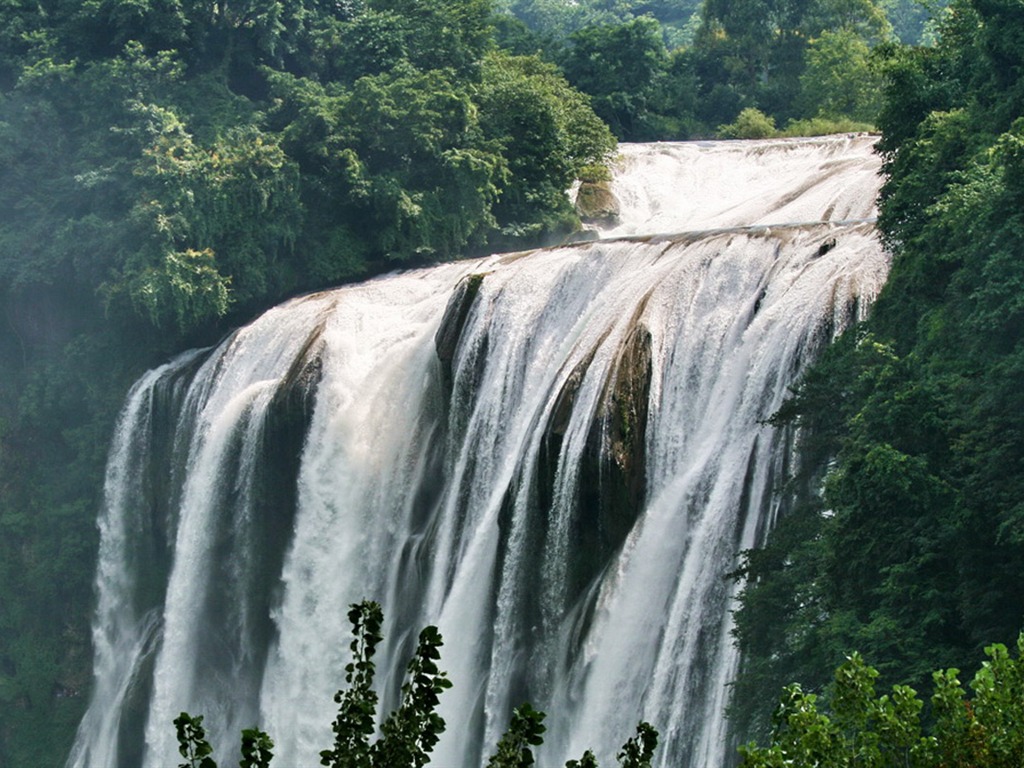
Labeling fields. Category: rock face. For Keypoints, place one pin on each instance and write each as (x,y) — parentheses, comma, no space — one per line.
(275,486)
(614,470)
(446,340)
(611,490)
(624,410)
(595,202)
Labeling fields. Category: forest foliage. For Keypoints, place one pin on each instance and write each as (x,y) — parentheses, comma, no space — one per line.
(852,726)
(407,736)
(909,542)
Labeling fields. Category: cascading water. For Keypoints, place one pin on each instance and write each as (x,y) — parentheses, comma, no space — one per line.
(554,456)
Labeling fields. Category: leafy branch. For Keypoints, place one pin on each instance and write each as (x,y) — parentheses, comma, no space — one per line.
(410,733)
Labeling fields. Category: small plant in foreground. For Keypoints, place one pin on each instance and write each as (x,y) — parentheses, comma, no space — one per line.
(410,733)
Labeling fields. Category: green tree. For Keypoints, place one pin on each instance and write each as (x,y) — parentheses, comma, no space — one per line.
(530,111)
(758,47)
(257,749)
(751,123)
(638,751)
(409,734)
(392,165)
(354,723)
(215,224)
(192,742)
(619,66)
(525,731)
(856,728)
(557,20)
(913,552)
(840,79)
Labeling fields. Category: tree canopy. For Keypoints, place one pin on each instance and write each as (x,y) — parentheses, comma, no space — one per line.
(850,726)
(913,552)
(408,735)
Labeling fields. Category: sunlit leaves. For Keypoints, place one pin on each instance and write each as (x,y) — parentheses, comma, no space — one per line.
(182,291)
(209,223)
(854,727)
(840,79)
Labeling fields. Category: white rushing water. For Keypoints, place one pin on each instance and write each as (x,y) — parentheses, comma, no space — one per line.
(682,186)
(562,491)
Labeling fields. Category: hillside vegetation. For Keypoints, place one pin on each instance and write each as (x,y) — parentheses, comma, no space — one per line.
(913,551)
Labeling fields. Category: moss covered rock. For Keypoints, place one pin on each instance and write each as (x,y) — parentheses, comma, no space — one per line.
(595,202)
(446,340)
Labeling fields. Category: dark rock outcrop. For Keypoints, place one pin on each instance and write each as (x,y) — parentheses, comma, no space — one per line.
(612,480)
(613,477)
(446,340)
(595,202)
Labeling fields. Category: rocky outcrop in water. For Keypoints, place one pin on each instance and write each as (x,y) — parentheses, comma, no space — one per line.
(446,340)
(610,491)
(596,203)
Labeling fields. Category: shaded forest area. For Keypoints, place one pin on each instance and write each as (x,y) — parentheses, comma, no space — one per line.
(910,545)
(168,168)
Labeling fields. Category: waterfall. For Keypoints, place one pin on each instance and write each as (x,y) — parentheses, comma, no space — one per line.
(554,456)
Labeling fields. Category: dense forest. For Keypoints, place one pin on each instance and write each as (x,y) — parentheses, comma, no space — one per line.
(910,545)
(168,168)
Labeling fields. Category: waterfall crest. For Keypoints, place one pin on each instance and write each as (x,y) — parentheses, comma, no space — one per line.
(555,456)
